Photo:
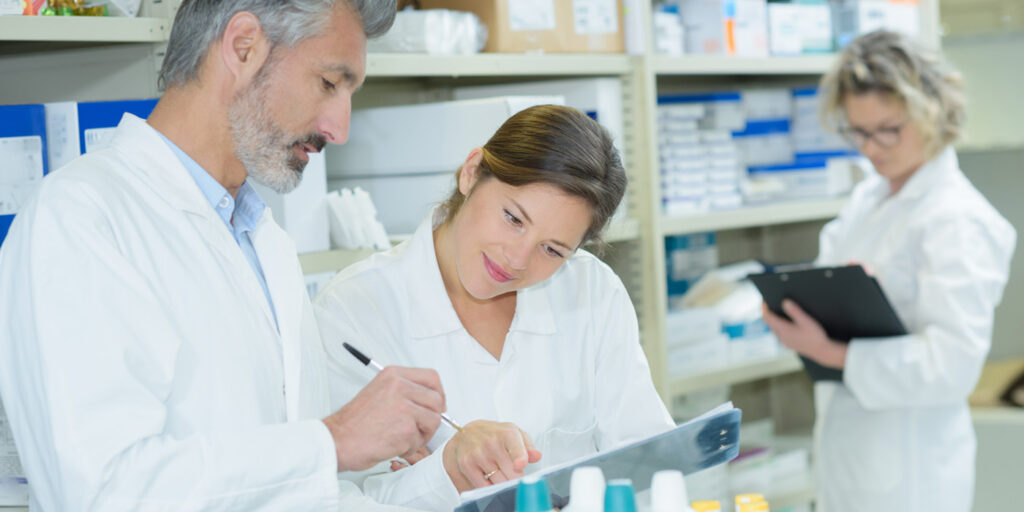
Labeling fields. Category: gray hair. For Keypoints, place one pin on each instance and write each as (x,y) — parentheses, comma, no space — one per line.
(286,23)
(893,65)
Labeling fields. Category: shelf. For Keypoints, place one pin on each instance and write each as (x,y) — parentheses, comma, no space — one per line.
(734,374)
(332,261)
(663,65)
(83,29)
(1006,416)
(495,64)
(754,216)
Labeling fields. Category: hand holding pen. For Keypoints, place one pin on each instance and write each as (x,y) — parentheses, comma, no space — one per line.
(393,416)
(363,358)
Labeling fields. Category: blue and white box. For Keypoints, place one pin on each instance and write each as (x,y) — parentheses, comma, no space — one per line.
(23,154)
(75,128)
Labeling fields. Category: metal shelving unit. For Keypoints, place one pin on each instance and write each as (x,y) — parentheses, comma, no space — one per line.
(744,371)
(83,29)
(724,65)
(754,216)
(495,64)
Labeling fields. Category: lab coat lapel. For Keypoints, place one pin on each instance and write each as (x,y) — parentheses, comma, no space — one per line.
(277,255)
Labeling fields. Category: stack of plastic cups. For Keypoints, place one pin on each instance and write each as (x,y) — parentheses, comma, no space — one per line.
(668,492)
(618,496)
(532,495)
(586,490)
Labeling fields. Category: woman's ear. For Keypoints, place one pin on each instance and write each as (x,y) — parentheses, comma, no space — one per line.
(470,171)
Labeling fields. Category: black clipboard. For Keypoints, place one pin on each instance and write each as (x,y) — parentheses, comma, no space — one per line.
(845,300)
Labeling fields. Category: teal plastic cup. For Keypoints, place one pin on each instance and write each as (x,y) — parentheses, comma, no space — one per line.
(618,496)
(532,495)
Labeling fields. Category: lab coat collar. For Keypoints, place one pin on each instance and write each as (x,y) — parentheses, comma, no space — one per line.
(140,142)
(933,173)
(434,314)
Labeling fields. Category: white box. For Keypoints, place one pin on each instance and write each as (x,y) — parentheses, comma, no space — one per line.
(406,156)
(600,98)
(800,28)
(704,26)
(749,34)
(11,7)
(75,128)
(855,17)
(698,357)
(303,212)
(767,103)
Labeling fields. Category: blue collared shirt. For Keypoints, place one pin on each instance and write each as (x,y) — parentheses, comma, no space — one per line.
(239,215)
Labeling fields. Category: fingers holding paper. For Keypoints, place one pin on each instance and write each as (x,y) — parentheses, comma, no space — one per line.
(486,453)
(804,335)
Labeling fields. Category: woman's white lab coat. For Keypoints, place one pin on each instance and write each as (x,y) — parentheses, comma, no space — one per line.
(896,435)
(140,366)
(571,374)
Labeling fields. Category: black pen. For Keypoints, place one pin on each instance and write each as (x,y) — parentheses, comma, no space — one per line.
(363,358)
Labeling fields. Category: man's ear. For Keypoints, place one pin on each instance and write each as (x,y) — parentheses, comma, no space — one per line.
(469,172)
(244,47)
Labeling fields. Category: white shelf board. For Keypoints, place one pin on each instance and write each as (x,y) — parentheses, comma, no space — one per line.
(1011,416)
(332,261)
(83,29)
(745,371)
(753,216)
(664,65)
(494,64)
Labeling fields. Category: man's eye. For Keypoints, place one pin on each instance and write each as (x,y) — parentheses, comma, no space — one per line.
(327,84)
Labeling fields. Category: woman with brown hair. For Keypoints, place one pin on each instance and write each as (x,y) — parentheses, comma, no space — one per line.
(534,338)
(895,433)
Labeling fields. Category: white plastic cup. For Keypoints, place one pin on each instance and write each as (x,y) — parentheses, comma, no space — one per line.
(668,492)
(586,490)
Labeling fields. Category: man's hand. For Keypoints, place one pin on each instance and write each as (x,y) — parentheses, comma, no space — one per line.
(393,416)
(805,335)
(486,453)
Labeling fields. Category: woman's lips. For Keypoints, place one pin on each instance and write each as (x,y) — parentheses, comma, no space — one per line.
(496,272)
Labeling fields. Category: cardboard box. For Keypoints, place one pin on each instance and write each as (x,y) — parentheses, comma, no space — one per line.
(555,26)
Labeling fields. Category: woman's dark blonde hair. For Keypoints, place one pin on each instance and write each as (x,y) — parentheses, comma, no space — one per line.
(556,145)
(895,66)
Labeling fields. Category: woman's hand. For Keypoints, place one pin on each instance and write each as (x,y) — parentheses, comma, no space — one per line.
(419,455)
(805,335)
(486,453)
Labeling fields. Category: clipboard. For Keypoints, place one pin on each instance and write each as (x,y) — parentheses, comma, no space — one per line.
(845,300)
(706,441)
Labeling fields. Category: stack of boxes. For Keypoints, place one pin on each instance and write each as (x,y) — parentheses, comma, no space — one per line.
(699,161)
(758,28)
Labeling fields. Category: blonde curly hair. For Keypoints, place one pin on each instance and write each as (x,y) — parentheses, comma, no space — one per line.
(893,65)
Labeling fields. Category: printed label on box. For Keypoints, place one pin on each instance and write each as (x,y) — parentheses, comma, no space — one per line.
(21,172)
(98,138)
(13,485)
(531,15)
(595,17)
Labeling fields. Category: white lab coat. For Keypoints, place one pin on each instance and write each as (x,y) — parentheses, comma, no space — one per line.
(572,373)
(896,435)
(140,366)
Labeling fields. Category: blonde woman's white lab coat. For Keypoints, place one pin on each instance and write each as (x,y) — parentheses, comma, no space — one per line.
(140,365)
(571,374)
(896,435)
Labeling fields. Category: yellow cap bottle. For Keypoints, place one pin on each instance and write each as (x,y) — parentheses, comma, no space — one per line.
(706,506)
(760,506)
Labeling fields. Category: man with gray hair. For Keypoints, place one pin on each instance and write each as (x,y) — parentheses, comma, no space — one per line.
(157,348)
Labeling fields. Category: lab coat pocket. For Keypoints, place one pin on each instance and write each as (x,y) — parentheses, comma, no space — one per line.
(558,445)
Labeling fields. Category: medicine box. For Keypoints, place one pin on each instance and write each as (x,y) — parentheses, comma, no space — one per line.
(75,128)
(23,154)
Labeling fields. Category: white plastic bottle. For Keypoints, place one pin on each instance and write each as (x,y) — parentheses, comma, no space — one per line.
(586,490)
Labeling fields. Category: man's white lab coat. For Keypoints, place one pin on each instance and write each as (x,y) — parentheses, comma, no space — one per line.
(140,366)
(896,435)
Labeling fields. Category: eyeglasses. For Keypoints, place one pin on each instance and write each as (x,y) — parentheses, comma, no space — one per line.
(885,137)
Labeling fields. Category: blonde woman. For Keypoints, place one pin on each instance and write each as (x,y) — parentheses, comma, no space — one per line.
(895,434)
(534,338)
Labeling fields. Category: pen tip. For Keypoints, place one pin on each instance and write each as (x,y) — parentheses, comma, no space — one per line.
(358,355)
